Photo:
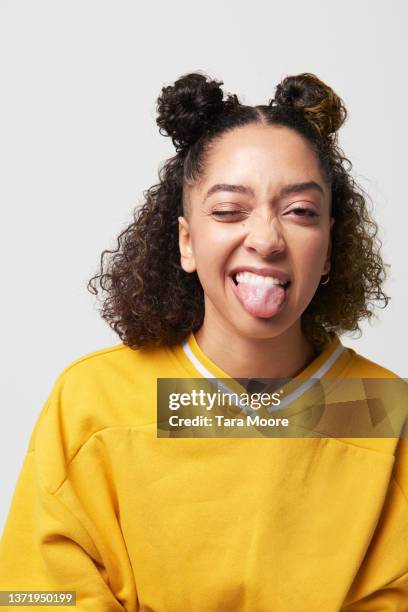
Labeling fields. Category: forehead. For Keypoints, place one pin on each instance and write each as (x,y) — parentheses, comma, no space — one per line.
(263,156)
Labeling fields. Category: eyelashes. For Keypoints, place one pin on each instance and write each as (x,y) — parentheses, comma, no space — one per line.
(308,212)
(300,212)
(224,213)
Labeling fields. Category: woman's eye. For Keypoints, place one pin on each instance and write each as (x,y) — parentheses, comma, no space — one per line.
(304,212)
(225,213)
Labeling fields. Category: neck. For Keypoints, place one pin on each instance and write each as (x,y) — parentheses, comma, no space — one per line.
(283,356)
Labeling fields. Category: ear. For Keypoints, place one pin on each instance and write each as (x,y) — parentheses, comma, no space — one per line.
(187,260)
(327,263)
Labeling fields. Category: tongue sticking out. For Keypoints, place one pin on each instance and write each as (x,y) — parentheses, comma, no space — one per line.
(260,300)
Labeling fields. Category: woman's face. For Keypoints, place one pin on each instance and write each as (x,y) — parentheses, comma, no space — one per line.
(262,210)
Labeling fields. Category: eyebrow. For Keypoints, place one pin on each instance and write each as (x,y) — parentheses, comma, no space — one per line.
(286,189)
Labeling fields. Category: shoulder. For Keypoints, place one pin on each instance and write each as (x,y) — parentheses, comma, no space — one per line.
(362,367)
(111,357)
(116,367)
(394,398)
(113,387)
(113,371)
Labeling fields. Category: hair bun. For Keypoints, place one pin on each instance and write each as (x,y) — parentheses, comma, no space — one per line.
(321,106)
(186,108)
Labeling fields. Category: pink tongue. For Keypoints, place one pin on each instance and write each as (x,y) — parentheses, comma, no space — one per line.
(260,300)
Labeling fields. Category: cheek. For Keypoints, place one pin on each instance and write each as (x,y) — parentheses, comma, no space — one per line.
(309,254)
(213,259)
(210,264)
(212,250)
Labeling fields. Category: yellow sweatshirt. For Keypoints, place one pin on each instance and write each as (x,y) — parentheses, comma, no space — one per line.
(131,521)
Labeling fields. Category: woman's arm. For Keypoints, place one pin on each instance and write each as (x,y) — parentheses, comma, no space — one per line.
(382,581)
(54,539)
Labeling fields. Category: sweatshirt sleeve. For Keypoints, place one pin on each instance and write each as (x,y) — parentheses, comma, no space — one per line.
(50,540)
(382,582)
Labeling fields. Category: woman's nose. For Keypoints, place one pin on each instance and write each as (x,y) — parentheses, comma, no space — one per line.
(265,237)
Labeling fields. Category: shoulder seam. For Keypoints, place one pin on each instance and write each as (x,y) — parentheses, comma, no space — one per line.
(103,351)
(84,443)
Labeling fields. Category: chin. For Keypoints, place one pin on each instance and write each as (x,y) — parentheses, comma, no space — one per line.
(260,328)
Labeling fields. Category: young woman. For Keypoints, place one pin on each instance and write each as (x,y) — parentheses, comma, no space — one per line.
(248,259)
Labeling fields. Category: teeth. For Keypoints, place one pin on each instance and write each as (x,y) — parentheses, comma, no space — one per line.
(257,279)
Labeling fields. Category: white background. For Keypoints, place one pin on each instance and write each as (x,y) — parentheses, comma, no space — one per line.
(79,143)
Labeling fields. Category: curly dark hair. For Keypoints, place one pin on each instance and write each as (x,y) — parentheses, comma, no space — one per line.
(150,300)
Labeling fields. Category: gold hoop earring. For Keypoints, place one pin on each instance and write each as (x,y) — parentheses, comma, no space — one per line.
(326,281)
